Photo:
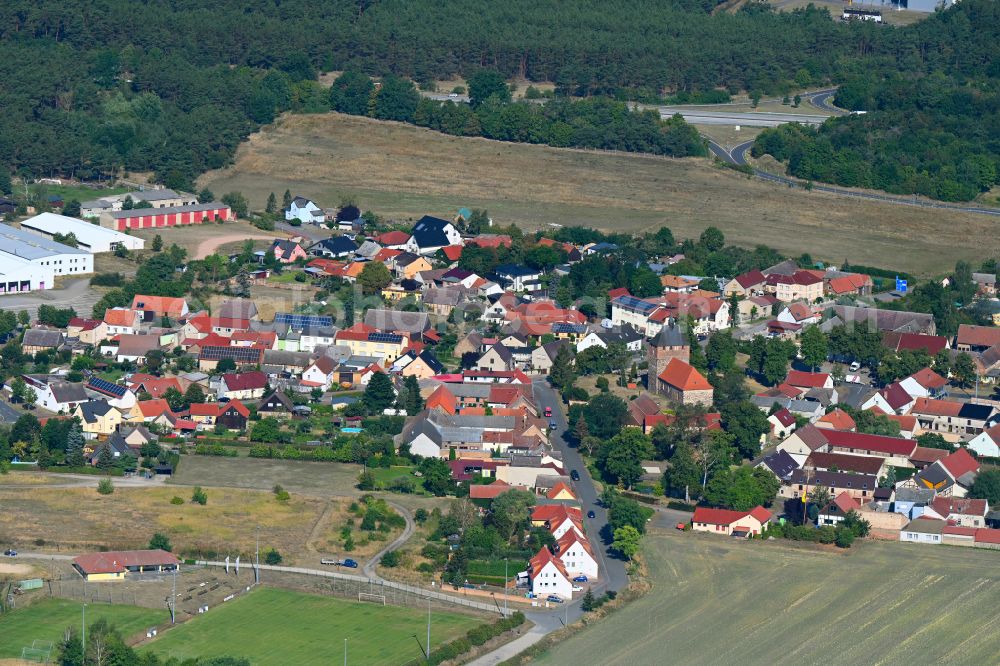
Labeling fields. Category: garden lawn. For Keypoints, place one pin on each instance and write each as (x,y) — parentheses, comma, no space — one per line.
(47,619)
(274,626)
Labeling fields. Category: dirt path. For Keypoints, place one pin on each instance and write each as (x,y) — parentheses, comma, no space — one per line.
(210,245)
(369,568)
(318,527)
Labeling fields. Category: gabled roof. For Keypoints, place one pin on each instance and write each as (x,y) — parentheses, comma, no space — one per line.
(684,377)
(453,252)
(542,559)
(161,305)
(336,245)
(780,463)
(560,487)
(838,419)
(932,344)
(750,278)
(120,317)
(118,561)
(844,462)
(784,417)
(555,512)
(272,397)
(977,336)
(960,462)
(393,238)
(153,408)
(803,379)
(442,399)
(429,232)
(728,517)
(946,506)
(896,396)
(866,442)
(245,381)
(929,379)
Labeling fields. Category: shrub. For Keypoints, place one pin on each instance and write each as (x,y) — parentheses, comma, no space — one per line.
(349,543)
(272,557)
(105,487)
(420,515)
(280,493)
(160,541)
(176,500)
(844,538)
(199,496)
(391,559)
(403,484)
(368,522)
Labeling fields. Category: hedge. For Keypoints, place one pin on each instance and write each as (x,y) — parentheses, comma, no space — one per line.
(474,638)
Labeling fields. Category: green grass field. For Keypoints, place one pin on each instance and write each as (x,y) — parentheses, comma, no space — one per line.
(273,626)
(46,621)
(80,193)
(718,601)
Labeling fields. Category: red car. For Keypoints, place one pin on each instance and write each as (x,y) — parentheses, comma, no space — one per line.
(548,411)
(681,526)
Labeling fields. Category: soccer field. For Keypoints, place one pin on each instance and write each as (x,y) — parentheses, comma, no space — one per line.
(46,621)
(280,627)
(719,601)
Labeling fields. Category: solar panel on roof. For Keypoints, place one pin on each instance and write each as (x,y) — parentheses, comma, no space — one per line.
(244,354)
(105,386)
(634,303)
(385,337)
(303,321)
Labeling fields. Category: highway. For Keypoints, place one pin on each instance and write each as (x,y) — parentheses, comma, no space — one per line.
(744,119)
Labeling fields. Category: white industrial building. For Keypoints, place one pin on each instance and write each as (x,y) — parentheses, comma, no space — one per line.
(90,237)
(29,262)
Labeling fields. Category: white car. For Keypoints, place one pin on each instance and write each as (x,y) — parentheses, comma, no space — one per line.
(577,588)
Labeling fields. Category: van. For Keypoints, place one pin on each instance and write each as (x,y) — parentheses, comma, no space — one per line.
(855,366)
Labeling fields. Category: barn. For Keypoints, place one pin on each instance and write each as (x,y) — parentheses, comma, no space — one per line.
(174,216)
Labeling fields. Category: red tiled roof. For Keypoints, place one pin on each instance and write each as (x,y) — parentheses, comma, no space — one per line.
(161,305)
(936,407)
(560,487)
(761,514)
(907,422)
(453,252)
(987,535)
(684,377)
(750,278)
(155,386)
(865,442)
(929,379)
(838,419)
(807,379)
(896,395)
(718,516)
(153,408)
(956,530)
(914,342)
(849,283)
(550,512)
(203,409)
(784,417)
(492,490)
(946,506)
(571,537)
(245,381)
(119,317)
(977,336)
(845,502)
(960,462)
(491,240)
(544,556)
(618,292)
(115,561)
(922,454)
(240,408)
(84,324)
(442,399)
(393,238)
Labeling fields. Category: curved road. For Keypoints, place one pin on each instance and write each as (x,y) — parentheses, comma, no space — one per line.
(369,568)
(738,155)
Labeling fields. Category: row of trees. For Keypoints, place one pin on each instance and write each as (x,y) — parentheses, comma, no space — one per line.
(593,123)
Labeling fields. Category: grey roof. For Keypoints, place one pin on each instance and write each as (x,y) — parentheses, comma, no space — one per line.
(925,526)
(42,337)
(671,335)
(287,358)
(286,403)
(68,392)
(153,195)
(834,479)
(780,463)
(505,353)
(627,333)
(429,232)
(27,245)
(805,407)
(824,396)
(238,308)
(443,296)
(915,495)
(854,395)
(481,422)
(369,249)
(398,320)
(94,409)
(886,320)
(336,245)
(787,267)
(479,390)
(192,208)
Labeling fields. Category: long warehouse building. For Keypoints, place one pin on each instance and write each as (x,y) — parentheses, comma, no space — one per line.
(29,262)
(90,237)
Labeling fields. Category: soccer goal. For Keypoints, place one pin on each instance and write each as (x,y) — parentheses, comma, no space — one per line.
(40,652)
(375,598)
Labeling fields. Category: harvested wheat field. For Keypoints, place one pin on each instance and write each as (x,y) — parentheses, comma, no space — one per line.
(715,600)
(404,172)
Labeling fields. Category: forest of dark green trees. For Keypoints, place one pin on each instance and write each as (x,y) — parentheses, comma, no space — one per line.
(173,86)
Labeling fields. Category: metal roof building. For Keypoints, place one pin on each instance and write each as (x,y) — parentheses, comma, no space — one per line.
(91,237)
(29,262)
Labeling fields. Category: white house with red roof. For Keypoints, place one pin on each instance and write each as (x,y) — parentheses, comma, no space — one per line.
(782,423)
(576,555)
(898,399)
(548,575)
(924,384)
(951,476)
(558,519)
(798,313)
(243,385)
(321,373)
(809,380)
(731,523)
(964,512)
(837,509)
(987,443)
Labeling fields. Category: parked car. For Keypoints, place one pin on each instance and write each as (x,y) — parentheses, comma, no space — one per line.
(553,425)
(855,366)
(591,514)
(548,411)
(580,579)
(349,563)
(575,475)
(681,526)
(577,588)
(10,552)
(554,598)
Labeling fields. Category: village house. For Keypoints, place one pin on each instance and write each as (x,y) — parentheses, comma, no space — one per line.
(743,524)
(745,285)
(682,383)
(547,575)
(98,419)
(243,386)
(287,251)
(952,420)
(305,211)
(576,555)
(837,509)
(87,331)
(431,234)
(156,307)
(122,321)
(799,286)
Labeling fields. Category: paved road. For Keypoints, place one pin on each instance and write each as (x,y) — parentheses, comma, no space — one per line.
(7,413)
(310,231)
(823,99)
(613,576)
(738,155)
(369,568)
(75,293)
(745,119)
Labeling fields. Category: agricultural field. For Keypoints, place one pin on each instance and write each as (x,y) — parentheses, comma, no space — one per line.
(274,626)
(719,601)
(403,172)
(47,619)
